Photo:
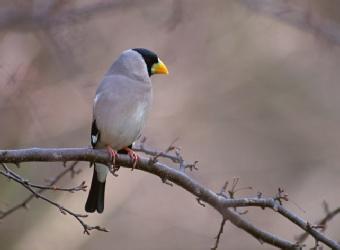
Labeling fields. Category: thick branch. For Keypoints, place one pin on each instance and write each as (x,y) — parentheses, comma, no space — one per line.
(219,202)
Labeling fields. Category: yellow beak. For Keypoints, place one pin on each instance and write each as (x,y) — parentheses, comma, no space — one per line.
(159,68)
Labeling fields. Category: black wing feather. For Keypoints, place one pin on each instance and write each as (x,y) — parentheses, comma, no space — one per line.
(95,134)
(95,199)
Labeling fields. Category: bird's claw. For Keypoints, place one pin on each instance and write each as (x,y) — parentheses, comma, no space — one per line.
(113,155)
(134,157)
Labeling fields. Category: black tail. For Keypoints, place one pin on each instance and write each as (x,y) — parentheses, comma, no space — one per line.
(95,200)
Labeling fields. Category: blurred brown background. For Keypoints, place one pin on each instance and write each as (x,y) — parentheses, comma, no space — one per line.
(253,92)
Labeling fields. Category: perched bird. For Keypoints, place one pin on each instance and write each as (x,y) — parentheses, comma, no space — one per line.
(121,105)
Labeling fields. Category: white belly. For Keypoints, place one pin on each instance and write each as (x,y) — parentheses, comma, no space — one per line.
(119,128)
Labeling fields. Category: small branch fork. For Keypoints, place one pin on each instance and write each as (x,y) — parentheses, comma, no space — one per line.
(11,175)
(14,176)
(224,201)
(172,153)
(321,224)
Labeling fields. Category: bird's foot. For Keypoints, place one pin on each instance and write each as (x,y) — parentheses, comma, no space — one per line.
(134,157)
(113,153)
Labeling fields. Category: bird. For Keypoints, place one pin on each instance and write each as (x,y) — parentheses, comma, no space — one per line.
(121,106)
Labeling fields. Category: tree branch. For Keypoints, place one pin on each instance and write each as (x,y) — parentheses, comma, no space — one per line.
(30,187)
(220,202)
(321,223)
(52,182)
(13,176)
(220,231)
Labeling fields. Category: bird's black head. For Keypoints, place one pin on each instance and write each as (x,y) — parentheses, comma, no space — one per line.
(149,57)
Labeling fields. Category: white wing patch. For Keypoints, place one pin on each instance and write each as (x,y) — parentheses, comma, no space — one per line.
(94,139)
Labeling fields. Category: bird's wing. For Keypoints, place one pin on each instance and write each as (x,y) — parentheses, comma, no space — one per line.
(95,134)
(104,86)
(119,111)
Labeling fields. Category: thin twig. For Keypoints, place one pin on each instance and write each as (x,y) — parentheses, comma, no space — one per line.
(141,147)
(38,194)
(321,223)
(11,174)
(172,153)
(220,231)
(25,202)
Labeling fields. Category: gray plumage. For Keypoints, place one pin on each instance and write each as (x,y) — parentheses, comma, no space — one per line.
(123,101)
(121,106)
